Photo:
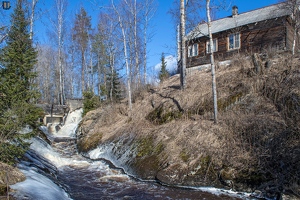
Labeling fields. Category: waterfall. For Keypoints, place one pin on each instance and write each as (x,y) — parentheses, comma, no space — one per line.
(57,171)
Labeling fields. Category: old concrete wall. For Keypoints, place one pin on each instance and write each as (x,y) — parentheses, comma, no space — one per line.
(56,113)
(74,104)
(51,109)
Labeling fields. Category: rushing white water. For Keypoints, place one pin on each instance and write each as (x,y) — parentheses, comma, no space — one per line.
(42,155)
(51,173)
(71,123)
(101,152)
(37,186)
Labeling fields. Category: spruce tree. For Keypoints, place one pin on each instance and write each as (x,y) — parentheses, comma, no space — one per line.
(17,91)
(163,74)
(113,85)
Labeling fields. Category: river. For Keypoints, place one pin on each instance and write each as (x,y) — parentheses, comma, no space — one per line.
(57,171)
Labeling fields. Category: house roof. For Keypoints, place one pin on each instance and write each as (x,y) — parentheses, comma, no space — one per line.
(269,12)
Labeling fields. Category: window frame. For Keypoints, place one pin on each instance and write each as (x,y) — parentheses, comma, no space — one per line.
(215,46)
(236,38)
(193,50)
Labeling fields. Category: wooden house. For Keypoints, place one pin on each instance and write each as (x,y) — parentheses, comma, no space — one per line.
(257,31)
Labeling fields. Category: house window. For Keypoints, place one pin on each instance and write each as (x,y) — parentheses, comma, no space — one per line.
(234,41)
(214,47)
(193,50)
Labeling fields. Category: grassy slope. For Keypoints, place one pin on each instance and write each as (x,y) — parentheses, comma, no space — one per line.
(256,143)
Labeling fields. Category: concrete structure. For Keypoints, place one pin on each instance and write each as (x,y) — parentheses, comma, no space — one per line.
(74,104)
(56,114)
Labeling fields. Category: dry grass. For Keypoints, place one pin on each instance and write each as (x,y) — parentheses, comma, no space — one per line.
(259,120)
(8,176)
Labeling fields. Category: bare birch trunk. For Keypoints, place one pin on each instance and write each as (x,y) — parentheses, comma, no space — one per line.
(90,68)
(178,44)
(72,67)
(212,61)
(126,58)
(149,11)
(60,27)
(34,2)
(145,54)
(82,71)
(183,49)
(295,19)
(135,44)
(112,63)
(99,74)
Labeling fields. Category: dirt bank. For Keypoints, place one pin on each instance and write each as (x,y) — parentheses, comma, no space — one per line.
(170,135)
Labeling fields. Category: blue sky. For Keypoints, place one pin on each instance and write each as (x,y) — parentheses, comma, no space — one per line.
(164,38)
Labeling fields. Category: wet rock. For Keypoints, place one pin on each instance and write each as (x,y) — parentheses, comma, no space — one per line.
(8,176)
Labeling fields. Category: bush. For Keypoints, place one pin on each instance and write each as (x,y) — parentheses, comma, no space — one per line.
(90,101)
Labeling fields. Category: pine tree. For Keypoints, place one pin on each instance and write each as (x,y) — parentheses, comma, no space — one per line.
(163,74)
(17,91)
(80,35)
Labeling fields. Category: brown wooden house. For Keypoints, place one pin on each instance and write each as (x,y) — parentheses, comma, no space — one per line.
(257,31)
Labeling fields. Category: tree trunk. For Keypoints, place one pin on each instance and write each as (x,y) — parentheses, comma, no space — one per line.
(82,71)
(183,49)
(34,2)
(145,55)
(136,45)
(212,61)
(126,58)
(111,78)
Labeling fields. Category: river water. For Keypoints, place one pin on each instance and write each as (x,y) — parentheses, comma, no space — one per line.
(57,171)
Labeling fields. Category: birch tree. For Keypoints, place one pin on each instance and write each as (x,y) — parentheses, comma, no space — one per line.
(212,62)
(132,12)
(148,13)
(99,51)
(71,78)
(182,47)
(108,49)
(58,24)
(136,51)
(90,68)
(122,23)
(33,5)
(46,74)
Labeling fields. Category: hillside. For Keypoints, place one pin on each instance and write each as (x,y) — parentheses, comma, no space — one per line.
(170,135)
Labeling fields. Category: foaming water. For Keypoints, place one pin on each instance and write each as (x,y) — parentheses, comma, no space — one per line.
(56,171)
(37,186)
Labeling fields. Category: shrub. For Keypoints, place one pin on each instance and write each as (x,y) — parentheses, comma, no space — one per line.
(90,102)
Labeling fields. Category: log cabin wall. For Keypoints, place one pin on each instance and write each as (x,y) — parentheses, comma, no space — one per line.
(260,37)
